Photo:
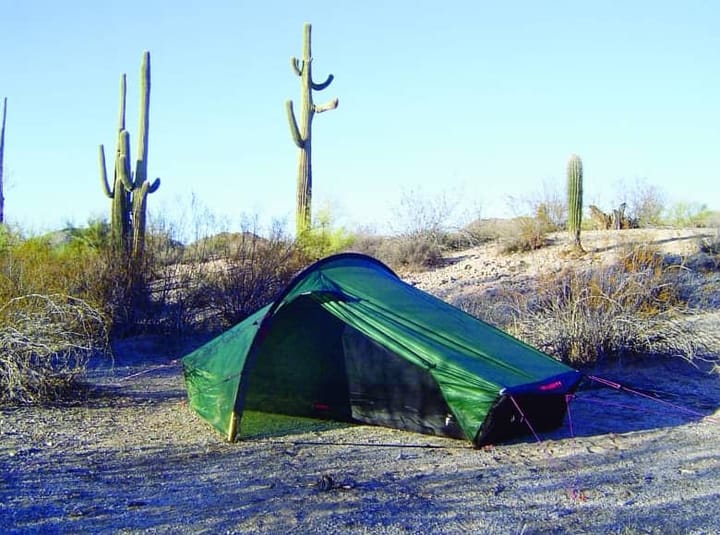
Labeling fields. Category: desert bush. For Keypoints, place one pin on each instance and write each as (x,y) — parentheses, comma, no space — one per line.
(324,238)
(708,257)
(96,235)
(76,262)
(420,251)
(368,242)
(687,215)
(207,285)
(487,230)
(46,342)
(36,266)
(583,315)
(550,205)
(8,236)
(525,234)
(401,253)
(422,214)
(420,232)
(246,274)
(645,203)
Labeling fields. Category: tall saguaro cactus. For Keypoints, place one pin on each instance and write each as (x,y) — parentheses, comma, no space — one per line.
(2,156)
(302,133)
(129,190)
(575,202)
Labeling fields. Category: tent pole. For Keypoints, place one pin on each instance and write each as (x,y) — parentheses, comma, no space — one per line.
(232,430)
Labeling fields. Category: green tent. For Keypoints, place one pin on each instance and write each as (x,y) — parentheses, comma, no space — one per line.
(348,340)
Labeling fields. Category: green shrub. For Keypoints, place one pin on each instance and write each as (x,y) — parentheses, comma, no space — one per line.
(687,215)
(323,238)
(35,266)
(96,235)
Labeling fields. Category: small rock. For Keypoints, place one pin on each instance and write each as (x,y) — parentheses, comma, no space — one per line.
(325,483)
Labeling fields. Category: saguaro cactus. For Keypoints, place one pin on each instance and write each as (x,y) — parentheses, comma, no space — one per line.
(2,155)
(130,190)
(302,134)
(575,203)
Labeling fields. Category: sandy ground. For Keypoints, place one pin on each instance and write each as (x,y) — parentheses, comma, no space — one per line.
(133,458)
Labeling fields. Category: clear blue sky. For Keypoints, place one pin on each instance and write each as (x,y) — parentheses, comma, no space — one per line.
(481,100)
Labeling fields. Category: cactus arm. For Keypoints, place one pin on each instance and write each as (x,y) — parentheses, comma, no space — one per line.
(295,64)
(327,106)
(320,87)
(103,174)
(124,173)
(294,130)
(143,133)
(152,188)
(123,161)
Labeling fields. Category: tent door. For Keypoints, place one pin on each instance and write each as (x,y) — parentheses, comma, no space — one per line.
(385,389)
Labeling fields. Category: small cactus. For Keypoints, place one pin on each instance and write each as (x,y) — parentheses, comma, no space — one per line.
(302,134)
(575,202)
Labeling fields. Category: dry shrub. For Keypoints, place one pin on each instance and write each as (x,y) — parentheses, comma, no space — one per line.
(369,243)
(252,274)
(46,342)
(402,253)
(411,252)
(645,202)
(486,230)
(583,315)
(224,278)
(420,232)
(525,234)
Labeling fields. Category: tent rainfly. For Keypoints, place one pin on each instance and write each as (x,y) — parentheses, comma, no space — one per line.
(349,340)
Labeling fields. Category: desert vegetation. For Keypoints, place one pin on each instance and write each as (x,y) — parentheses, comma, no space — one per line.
(634,306)
(67,295)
